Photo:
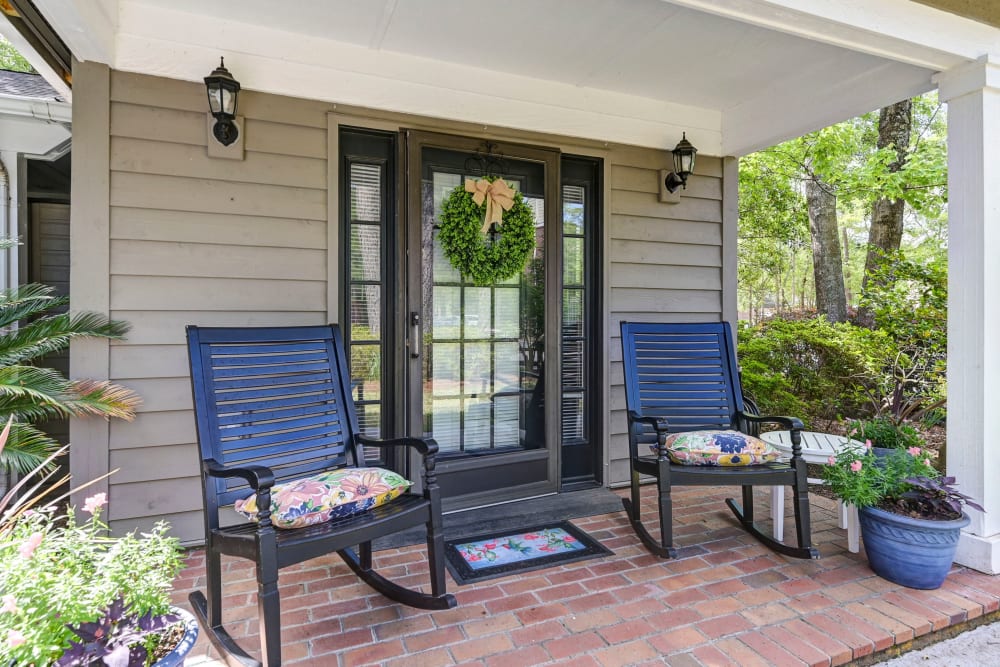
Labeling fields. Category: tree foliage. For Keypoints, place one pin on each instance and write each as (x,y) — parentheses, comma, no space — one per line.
(909,301)
(11,60)
(775,265)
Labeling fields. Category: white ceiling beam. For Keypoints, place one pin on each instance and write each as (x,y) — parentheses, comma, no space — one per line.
(899,30)
(166,42)
(776,116)
(87,27)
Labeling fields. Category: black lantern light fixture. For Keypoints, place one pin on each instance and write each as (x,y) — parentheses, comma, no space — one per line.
(223,92)
(684,154)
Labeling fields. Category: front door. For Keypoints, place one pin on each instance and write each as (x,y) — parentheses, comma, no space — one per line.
(477,353)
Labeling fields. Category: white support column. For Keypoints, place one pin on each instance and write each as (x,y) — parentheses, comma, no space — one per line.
(973,96)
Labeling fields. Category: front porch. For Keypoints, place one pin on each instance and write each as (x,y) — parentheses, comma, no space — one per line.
(726,601)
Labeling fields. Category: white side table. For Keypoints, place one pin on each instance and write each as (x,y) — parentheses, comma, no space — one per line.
(817,448)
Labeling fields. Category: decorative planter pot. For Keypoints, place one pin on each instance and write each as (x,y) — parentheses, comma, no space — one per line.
(176,657)
(916,553)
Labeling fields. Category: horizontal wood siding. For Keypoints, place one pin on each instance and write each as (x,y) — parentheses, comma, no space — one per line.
(665,263)
(197,240)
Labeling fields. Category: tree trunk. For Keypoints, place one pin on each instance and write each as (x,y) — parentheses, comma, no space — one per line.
(886,231)
(828,268)
(847,268)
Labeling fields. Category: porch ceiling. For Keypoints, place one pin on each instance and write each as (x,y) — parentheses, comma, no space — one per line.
(646,48)
(735,74)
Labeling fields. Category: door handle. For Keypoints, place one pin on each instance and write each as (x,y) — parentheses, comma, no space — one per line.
(415,340)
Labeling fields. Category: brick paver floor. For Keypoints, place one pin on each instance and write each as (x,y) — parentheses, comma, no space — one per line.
(726,601)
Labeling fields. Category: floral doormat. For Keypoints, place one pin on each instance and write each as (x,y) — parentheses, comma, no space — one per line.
(504,553)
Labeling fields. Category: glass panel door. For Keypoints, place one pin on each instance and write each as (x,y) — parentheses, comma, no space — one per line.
(481,360)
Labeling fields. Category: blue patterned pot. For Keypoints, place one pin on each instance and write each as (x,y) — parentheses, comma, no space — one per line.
(177,657)
(916,553)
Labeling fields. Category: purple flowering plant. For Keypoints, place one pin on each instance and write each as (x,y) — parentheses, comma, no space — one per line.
(62,573)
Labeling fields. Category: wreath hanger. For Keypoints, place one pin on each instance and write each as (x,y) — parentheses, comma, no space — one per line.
(486,162)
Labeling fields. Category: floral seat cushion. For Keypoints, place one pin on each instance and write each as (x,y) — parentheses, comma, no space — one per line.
(718,448)
(328,495)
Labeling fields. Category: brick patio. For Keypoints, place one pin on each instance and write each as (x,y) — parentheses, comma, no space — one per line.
(727,601)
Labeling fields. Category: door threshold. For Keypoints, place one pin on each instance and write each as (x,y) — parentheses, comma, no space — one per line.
(502,502)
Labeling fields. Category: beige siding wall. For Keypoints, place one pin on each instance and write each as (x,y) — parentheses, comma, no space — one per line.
(665,263)
(196,240)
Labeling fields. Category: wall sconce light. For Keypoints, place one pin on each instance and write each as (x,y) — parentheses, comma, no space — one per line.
(223,92)
(684,154)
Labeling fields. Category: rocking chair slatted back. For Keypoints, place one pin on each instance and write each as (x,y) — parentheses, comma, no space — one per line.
(277,401)
(686,375)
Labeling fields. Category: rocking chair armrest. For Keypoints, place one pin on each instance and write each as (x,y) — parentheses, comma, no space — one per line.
(424,446)
(258,477)
(791,423)
(659,424)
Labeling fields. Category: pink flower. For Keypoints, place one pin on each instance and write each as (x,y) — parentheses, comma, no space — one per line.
(569,538)
(30,545)
(856,466)
(927,462)
(9,605)
(95,502)
(831,461)
(913,451)
(868,444)
(15,638)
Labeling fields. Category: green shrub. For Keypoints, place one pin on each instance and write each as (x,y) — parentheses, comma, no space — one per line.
(909,301)
(812,369)
(884,432)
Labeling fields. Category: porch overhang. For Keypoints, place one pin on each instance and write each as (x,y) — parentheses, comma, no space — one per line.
(736,75)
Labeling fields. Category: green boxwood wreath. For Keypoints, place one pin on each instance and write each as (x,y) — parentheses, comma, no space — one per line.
(472,252)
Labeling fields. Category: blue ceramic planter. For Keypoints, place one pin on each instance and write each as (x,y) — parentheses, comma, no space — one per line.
(176,657)
(916,553)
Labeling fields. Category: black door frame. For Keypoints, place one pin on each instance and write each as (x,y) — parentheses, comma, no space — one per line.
(495,474)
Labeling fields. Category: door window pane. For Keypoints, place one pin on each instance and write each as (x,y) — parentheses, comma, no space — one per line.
(364,234)
(490,334)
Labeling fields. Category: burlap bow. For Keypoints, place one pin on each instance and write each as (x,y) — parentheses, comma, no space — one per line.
(499,197)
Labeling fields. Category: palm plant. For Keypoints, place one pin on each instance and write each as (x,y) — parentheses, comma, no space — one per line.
(30,393)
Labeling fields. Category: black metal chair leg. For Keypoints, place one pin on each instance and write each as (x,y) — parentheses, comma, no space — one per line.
(636,491)
(213,585)
(747,504)
(666,508)
(269,609)
(365,555)
(800,503)
(435,558)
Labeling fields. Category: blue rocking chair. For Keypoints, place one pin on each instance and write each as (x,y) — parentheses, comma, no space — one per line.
(684,377)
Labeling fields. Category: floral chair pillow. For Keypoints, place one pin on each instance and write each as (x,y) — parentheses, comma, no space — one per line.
(328,495)
(718,448)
